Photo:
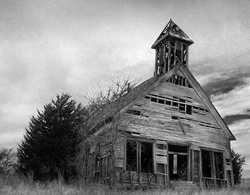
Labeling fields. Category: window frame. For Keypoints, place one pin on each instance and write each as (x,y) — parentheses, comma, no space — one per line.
(138,155)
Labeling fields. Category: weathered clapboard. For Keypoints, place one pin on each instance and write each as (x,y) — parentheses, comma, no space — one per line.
(165,129)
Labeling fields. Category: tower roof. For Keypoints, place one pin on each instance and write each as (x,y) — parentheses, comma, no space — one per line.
(172,30)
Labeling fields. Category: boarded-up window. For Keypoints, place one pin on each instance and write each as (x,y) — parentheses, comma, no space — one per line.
(160,157)
(160,168)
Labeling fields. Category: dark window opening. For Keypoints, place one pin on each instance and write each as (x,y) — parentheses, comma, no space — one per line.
(168,102)
(175,104)
(179,80)
(178,55)
(177,148)
(131,155)
(200,108)
(146,157)
(219,166)
(206,163)
(175,117)
(161,101)
(134,112)
(143,151)
(189,109)
(212,165)
(182,107)
(153,99)
(181,100)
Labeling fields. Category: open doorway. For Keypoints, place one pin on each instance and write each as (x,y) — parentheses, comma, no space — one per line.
(178,162)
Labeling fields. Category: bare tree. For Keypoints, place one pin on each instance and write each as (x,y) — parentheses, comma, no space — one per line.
(7,161)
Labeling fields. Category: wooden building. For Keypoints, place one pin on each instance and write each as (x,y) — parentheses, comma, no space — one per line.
(163,131)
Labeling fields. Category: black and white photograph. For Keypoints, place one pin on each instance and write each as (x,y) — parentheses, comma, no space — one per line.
(124,97)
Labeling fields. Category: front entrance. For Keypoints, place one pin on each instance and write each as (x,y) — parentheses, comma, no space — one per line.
(178,162)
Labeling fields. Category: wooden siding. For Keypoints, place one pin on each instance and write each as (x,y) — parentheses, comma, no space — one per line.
(156,120)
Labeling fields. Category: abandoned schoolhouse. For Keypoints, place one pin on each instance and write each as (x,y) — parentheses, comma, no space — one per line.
(163,131)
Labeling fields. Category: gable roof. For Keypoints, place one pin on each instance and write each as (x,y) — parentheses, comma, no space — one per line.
(172,30)
(202,94)
(111,110)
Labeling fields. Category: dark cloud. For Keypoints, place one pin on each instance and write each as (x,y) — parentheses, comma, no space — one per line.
(221,86)
(230,119)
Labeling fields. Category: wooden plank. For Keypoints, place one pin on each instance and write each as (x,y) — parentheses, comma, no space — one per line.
(161,152)
(156,58)
(161,159)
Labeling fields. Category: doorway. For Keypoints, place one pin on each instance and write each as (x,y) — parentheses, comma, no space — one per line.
(178,162)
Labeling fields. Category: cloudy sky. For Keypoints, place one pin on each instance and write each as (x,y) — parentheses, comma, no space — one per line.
(80,47)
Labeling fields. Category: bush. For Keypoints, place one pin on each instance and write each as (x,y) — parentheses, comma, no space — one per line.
(237,161)
(7,162)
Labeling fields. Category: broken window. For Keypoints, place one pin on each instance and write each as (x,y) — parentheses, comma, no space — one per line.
(219,165)
(213,165)
(182,107)
(175,117)
(131,155)
(175,102)
(153,99)
(134,112)
(161,101)
(144,150)
(146,157)
(168,102)
(189,109)
(206,163)
(199,109)
(179,80)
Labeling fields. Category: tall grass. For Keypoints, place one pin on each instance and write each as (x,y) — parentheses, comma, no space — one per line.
(24,186)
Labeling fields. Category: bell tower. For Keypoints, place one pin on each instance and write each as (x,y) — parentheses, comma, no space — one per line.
(171,48)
